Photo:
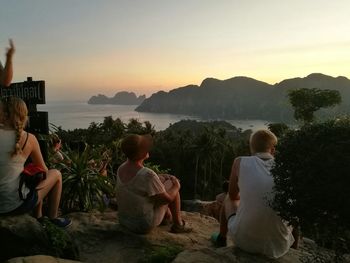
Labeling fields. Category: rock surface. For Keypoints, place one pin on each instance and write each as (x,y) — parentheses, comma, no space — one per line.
(120,98)
(24,236)
(209,208)
(40,259)
(309,252)
(100,238)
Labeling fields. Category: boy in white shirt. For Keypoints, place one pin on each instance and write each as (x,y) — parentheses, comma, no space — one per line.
(246,215)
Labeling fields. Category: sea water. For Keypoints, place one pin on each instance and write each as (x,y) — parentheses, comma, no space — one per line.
(77,114)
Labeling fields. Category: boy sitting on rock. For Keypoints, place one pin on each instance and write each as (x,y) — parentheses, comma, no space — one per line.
(246,215)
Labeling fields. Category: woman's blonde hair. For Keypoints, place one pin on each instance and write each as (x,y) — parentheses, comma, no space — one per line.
(15,114)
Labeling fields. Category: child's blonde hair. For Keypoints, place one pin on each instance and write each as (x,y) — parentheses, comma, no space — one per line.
(262,141)
(15,114)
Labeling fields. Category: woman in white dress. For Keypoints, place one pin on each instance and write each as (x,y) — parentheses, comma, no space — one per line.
(144,197)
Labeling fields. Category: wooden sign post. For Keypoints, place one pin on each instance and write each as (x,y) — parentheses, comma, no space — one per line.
(33,93)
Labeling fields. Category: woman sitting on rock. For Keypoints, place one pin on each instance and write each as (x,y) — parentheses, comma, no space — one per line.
(16,146)
(143,197)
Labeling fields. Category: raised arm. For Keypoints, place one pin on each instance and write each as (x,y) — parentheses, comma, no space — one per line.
(6,73)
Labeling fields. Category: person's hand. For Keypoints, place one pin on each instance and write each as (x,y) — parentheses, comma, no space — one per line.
(11,50)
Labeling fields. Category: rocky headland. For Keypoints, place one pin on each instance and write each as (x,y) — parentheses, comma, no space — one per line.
(244,98)
(120,98)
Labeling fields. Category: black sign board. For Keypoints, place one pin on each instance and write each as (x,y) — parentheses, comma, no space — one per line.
(32,92)
(38,122)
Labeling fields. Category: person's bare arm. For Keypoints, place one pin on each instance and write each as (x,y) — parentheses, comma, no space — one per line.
(233,189)
(6,73)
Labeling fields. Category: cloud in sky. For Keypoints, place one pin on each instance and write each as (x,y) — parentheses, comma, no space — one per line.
(81,47)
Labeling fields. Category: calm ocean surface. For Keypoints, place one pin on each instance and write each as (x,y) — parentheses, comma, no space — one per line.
(77,114)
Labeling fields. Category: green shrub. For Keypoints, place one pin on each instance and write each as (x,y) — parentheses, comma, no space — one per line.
(312,178)
(161,254)
(156,168)
(279,129)
(60,241)
(83,187)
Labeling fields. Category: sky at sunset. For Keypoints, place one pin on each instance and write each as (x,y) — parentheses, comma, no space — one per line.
(83,47)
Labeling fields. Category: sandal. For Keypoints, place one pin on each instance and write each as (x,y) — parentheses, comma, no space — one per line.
(218,240)
(177,229)
(61,222)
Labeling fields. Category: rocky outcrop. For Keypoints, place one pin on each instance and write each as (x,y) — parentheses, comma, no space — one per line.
(244,98)
(40,259)
(209,208)
(231,255)
(309,252)
(100,238)
(120,98)
(24,236)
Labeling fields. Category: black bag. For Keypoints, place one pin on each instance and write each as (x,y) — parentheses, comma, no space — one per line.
(31,176)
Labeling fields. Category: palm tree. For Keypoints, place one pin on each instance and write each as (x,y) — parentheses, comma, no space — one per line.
(206,148)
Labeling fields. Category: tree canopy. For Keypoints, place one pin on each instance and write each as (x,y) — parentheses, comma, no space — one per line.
(312,181)
(307,101)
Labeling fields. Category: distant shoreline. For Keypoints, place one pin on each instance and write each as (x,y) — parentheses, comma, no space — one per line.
(78,114)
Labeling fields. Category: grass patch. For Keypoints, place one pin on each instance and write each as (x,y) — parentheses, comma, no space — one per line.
(161,254)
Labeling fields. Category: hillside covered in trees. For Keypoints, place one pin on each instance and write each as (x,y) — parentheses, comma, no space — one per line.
(244,98)
(199,153)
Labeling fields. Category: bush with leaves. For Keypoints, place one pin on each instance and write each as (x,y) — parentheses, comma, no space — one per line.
(156,168)
(312,181)
(83,187)
(61,242)
(279,129)
(105,135)
(161,254)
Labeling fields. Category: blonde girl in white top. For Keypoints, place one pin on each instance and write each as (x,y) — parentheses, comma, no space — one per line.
(16,147)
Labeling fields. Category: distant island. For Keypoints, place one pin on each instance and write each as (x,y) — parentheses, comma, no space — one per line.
(244,98)
(120,98)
